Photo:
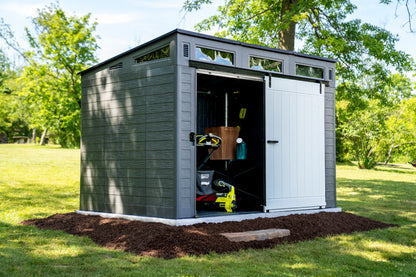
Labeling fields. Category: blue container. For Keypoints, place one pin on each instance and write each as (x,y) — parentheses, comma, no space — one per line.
(241,149)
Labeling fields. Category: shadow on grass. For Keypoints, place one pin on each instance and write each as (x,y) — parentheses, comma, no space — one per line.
(395,169)
(26,250)
(380,188)
(350,163)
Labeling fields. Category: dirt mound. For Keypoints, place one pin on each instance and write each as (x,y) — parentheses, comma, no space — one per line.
(160,240)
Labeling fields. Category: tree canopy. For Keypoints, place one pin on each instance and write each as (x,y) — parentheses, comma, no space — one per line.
(321,26)
(60,47)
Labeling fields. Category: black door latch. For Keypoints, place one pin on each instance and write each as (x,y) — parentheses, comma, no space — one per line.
(192,137)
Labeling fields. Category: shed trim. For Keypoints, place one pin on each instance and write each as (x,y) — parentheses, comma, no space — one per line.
(229,75)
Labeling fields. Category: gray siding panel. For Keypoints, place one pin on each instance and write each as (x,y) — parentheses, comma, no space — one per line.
(330,165)
(128,148)
(186,150)
(134,74)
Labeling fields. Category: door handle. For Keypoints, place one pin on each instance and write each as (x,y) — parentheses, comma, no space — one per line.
(273,141)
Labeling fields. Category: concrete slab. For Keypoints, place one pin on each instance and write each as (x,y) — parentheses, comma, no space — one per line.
(257,235)
(212,219)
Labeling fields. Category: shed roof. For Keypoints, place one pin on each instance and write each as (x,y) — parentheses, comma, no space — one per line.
(199,35)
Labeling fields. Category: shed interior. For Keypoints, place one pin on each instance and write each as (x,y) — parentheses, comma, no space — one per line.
(235,102)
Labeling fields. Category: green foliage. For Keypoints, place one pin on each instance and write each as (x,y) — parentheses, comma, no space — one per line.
(4,68)
(363,129)
(390,90)
(61,46)
(13,116)
(401,129)
(341,148)
(360,48)
(372,116)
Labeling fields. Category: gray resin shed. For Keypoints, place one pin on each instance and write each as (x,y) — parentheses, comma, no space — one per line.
(142,109)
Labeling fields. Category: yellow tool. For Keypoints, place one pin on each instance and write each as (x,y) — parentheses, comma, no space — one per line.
(226,200)
(243,112)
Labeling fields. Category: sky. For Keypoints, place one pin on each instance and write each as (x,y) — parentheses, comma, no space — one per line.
(124,24)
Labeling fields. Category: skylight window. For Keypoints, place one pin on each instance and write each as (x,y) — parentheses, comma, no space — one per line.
(155,55)
(309,71)
(265,64)
(216,56)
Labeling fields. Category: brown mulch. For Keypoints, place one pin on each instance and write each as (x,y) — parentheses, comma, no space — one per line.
(160,240)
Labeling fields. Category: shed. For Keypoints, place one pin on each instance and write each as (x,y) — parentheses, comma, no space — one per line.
(142,109)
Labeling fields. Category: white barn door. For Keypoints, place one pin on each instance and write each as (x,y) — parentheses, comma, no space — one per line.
(295,145)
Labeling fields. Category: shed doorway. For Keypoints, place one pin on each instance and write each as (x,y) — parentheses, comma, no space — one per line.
(237,103)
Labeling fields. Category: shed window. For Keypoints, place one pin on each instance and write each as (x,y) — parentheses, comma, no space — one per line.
(116,66)
(265,64)
(216,56)
(309,71)
(155,55)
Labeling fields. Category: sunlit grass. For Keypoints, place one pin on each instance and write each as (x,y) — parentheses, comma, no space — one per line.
(387,193)
(40,181)
(37,181)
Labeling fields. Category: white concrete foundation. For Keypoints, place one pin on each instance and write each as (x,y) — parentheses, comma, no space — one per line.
(210,219)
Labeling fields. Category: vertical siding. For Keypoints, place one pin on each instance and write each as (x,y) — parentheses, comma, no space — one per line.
(128,145)
(186,149)
(330,177)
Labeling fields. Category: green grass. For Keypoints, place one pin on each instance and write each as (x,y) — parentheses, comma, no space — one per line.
(39,181)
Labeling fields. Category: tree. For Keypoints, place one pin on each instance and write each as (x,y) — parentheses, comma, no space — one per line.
(13,114)
(4,68)
(401,127)
(379,107)
(409,10)
(363,129)
(61,46)
(7,35)
(361,48)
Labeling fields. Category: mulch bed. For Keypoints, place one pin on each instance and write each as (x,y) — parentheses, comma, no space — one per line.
(164,241)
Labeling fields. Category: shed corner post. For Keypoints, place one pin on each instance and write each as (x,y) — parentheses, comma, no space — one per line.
(185,148)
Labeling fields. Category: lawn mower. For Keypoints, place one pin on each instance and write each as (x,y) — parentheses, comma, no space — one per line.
(212,195)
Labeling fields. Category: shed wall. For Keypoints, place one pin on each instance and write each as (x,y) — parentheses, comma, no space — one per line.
(128,138)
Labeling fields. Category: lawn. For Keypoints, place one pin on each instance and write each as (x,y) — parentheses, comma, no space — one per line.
(39,181)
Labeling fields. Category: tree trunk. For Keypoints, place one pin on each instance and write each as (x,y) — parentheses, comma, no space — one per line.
(287,36)
(42,139)
(392,147)
(389,154)
(34,136)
